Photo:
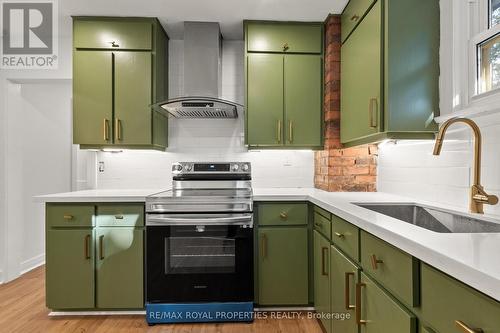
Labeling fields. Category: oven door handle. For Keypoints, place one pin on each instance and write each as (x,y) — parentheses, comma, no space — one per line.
(200,219)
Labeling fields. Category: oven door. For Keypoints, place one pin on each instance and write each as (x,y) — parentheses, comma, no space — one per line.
(199,258)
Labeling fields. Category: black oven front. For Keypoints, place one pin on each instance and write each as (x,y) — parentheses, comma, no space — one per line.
(197,258)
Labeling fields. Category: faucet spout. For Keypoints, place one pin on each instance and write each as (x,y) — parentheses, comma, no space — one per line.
(478,197)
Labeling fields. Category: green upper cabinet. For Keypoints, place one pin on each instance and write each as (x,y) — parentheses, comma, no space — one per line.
(321,253)
(119,268)
(390,71)
(283,266)
(284,93)
(115,84)
(284,37)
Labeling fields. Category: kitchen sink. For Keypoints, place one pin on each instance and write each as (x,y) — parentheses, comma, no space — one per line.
(434,219)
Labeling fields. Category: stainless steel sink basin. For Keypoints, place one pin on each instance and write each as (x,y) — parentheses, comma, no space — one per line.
(434,219)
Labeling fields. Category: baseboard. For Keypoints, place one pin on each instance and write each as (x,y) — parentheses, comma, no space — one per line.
(96,313)
(32,263)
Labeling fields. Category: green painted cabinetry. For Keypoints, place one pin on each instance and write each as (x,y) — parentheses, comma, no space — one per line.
(283,266)
(322,302)
(284,90)
(390,71)
(119,70)
(94,265)
(379,312)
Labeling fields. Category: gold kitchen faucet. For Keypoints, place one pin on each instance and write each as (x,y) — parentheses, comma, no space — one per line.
(478,197)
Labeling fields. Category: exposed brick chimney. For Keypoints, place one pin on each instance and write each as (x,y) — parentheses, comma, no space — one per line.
(338,169)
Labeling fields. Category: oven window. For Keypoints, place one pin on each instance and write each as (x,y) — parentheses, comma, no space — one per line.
(197,250)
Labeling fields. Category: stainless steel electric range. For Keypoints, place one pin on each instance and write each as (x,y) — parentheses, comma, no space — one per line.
(199,245)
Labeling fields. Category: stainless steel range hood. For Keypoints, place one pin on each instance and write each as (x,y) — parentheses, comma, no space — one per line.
(202,76)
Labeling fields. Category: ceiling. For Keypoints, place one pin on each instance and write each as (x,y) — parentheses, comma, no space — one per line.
(229,13)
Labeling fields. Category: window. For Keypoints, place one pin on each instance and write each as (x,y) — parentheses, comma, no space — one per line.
(494,12)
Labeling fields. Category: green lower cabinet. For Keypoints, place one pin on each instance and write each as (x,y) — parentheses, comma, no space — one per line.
(425,329)
(322,280)
(70,269)
(344,275)
(283,266)
(119,268)
(380,312)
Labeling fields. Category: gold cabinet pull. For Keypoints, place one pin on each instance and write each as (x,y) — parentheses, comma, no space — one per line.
(87,247)
(68,217)
(278,131)
(118,125)
(339,235)
(105,129)
(323,266)
(263,246)
(347,291)
(290,131)
(114,44)
(375,261)
(466,329)
(283,215)
(101,247)
(286,47)
(319,225)
(373,112)
(354,18)
(358,304)
(119,217)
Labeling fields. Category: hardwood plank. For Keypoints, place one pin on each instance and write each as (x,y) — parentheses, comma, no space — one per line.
(22,309)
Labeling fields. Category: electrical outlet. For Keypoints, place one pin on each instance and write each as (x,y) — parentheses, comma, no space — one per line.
(101,167)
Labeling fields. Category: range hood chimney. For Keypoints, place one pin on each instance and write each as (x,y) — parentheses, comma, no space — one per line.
(202,76)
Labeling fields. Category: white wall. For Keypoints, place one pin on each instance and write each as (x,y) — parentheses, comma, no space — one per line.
(410,169)
(206,139)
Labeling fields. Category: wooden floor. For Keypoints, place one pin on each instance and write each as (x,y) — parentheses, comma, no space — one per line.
(22,309)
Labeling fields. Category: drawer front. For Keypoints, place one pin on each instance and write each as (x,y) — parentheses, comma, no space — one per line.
(396,270)
(279,37)
(352,15)
(120,215)
(446,301)
(323,212)
(346,237)
(282,214)
(323,225)
(381,311)
(72,215)
(100,34)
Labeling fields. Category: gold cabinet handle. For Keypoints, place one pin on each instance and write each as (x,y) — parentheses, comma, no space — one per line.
(375,261)
(119,217)
(339,235)
(105,129)
(323,266)
(263,246)
(114,44)
(87,247)
(358,304)
(286,47)
(373,112)
(466,329)
(347,291)
(101,247)
(354,18)
(319,225)
(290,131)
(278,131)
(283,215)
(118,125)
(68,217)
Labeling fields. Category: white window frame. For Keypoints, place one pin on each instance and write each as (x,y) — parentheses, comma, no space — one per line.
(464,25)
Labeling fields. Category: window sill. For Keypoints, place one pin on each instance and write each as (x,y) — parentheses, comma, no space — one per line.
(473,111)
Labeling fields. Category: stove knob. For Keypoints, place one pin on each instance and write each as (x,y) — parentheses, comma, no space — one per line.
(236,167)
(245,167)
(188,167)
(177,167)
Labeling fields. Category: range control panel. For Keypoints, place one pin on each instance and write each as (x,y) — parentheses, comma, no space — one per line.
(207,167)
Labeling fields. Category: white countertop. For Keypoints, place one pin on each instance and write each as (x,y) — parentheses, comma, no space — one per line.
(470,258)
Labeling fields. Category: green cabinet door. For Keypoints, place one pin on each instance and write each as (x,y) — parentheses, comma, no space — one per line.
(381,313)
(133,95)
(322,279)
(70,269)
(361,104)
(119,268)
(303,100)
(344,277)
(283,266)
(92,97)
(265,100)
